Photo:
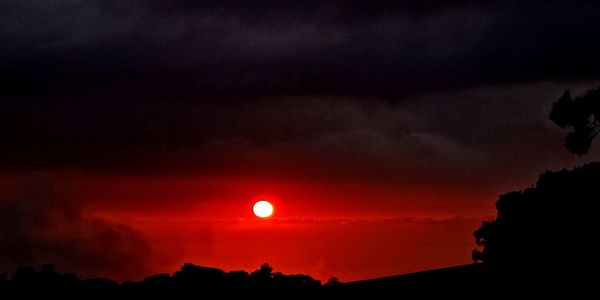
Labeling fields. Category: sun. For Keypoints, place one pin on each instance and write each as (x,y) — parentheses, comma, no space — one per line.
(263,209)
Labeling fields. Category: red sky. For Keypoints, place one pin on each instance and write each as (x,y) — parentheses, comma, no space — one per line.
(351,231)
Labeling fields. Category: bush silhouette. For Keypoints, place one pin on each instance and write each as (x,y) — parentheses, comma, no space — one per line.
(197,276)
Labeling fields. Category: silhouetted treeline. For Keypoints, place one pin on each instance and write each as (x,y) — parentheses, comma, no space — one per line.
(188,277)
(548,230)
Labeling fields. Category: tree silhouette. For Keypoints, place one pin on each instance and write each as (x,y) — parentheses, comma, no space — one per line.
(333,282)
(582,115)
(262,276)
(198,276)
(189,277)
(3,281)
(545,228)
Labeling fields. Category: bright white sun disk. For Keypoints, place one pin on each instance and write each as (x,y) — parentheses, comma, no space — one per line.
(262,209)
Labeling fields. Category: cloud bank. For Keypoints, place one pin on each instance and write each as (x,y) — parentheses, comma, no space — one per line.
(40,225)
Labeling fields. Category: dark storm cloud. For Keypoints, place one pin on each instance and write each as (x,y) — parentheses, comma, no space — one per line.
(146,86)
(235,48)
(40,225)
(467,135)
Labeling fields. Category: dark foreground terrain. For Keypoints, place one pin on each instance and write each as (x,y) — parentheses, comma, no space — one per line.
(467,281)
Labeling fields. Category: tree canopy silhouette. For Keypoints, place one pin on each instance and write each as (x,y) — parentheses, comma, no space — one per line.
(582,115)
(545,228)
(190,276)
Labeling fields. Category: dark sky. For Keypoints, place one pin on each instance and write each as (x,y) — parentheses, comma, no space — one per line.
(444,98)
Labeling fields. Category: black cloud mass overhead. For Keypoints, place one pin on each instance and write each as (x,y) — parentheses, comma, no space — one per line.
(264,47)
(173,84)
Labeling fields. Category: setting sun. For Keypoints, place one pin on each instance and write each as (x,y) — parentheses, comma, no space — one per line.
(263,209)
